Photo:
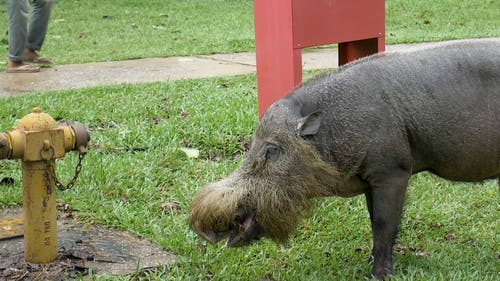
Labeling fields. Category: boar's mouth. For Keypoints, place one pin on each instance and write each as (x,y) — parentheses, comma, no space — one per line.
(247,229)
(243,231)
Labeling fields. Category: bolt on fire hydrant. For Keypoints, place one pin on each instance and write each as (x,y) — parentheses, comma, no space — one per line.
(38,140)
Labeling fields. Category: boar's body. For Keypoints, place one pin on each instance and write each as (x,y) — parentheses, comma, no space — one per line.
(435,110)
(364,129)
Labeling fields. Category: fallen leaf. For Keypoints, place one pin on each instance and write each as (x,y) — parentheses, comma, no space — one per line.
(449,236)
(362,249)
(190,152)
(171,207)
(159,26)
(401,249)
(421,253)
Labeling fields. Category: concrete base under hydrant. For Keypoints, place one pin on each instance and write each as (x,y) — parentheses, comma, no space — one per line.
(81,249)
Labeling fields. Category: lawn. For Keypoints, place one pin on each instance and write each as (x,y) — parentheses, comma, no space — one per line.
(135,164)
(93,30)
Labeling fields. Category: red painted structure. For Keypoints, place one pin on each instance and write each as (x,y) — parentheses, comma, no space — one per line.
(284,27)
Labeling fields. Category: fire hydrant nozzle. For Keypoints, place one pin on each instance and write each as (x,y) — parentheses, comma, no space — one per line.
(38,140)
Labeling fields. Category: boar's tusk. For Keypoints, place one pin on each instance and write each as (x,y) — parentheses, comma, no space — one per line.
(210,236)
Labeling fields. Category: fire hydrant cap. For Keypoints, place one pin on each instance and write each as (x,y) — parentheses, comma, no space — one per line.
(82,136)
(36,121)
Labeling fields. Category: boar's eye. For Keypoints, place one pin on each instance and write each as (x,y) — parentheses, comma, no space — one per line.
(272,152)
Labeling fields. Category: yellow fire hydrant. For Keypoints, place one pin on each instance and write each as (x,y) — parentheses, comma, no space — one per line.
(38,140)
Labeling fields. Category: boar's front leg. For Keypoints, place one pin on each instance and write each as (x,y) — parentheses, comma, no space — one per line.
(385,200)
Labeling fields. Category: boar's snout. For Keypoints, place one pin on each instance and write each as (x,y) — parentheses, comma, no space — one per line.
(216,213)
(265,197)
(212,211)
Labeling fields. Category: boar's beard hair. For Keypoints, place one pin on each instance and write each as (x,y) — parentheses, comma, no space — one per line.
(213,207)
(278,195)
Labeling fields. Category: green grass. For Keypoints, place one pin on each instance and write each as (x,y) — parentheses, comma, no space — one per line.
(410,21)
(93,30)
(135,165)
(449,232)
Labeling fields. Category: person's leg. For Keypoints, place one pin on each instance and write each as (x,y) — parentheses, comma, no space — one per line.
(17,14)
(38,24)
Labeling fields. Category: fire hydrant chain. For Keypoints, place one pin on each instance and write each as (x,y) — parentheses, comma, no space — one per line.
(51,174)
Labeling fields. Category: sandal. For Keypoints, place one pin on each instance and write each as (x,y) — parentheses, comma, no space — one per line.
(25,68)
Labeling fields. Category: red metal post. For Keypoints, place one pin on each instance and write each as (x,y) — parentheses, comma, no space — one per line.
(279,64)
(284,27)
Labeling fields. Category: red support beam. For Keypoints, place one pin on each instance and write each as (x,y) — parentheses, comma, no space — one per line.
(279,64)
(284,27)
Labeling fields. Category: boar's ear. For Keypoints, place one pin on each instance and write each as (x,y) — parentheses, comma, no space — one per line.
(309,125)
